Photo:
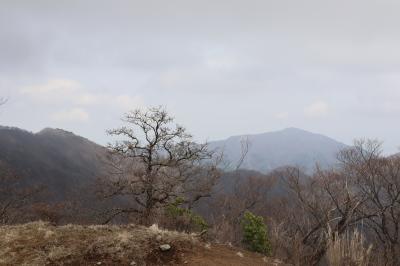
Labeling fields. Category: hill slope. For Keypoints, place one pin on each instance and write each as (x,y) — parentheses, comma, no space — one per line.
(55,158)
(63,162)
(290,146)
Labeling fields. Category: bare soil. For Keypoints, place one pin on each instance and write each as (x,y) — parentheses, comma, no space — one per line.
(43,244)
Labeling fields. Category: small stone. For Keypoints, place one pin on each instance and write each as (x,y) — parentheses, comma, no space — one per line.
(165,247)
(208,246)
(99,263)
(240,254)
(133,263)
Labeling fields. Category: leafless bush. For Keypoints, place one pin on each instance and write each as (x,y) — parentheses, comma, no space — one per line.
(227,208)
(321,209)
(16,198)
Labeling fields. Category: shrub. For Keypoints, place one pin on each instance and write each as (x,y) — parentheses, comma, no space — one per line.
(255,233)
(185,219)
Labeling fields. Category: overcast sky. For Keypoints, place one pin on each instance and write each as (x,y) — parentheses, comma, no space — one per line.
(221,67)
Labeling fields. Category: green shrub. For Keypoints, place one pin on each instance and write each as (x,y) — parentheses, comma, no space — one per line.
(185,219)
(255,233)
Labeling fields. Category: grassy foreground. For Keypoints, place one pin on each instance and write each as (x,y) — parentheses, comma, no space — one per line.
(40,243)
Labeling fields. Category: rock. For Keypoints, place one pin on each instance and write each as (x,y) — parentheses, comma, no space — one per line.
(133,263)
(208,246)
(165,247)
(240,254)
(99,263)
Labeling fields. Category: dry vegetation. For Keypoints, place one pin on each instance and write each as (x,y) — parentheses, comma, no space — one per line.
(40,243)
(349,249)
(337,216)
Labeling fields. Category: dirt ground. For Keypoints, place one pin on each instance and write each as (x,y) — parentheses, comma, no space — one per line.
(207,255)
(37,244)
(227,256)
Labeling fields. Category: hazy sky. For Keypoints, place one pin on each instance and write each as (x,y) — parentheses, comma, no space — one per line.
(221,67)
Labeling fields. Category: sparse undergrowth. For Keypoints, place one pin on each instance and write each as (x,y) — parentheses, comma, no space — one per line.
(40,243)
(255,233)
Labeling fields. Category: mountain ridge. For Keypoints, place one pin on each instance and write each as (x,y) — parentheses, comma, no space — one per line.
(64,161)
(290,146)
(58,159)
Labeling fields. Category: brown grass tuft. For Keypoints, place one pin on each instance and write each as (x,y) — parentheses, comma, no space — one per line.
(349,250)
(43,244)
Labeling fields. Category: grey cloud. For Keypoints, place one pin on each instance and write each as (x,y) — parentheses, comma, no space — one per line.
(223,67)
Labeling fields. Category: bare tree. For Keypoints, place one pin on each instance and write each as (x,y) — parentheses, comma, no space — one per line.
(16,199)
(244,150)
(377,179)
(325,205)
(241,191)
(362,193)
(156,161)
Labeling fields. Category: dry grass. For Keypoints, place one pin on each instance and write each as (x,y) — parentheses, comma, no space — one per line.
(349,250)
(43,244)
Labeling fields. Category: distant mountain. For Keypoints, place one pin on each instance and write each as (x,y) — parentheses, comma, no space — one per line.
(57,159)
(290,146)
(65,162)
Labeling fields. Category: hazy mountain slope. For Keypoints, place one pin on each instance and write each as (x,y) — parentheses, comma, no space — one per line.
(281,148)
(55,158)
(64,162)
